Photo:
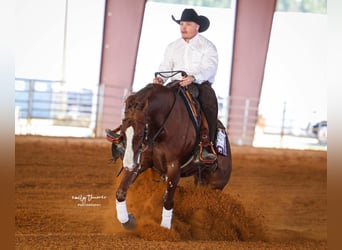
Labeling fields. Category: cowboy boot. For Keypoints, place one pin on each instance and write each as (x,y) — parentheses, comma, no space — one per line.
(207,152)
(207,156)
(114,138)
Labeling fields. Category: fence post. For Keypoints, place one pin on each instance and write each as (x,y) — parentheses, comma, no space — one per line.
(245,119)
(282,131)
(30,102)
(100,96)
(126,93)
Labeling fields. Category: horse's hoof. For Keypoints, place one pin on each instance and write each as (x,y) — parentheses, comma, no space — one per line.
(130,224)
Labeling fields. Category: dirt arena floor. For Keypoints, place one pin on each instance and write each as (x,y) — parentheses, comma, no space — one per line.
(65,196)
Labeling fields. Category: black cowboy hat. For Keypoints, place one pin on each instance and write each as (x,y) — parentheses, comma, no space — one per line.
(190,15)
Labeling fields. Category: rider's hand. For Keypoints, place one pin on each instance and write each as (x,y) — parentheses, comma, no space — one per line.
(187,80)
(158,80)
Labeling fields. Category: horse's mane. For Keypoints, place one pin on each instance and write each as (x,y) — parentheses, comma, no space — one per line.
(138,101)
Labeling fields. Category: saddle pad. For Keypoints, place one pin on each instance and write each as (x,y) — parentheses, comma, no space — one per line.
(221,142)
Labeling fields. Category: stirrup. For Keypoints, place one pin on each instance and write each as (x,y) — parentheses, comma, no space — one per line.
(213,153)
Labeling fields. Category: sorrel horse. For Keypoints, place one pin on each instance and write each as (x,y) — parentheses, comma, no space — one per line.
(157,133)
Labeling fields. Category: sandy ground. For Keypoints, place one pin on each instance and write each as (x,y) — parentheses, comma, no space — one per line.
(65,193)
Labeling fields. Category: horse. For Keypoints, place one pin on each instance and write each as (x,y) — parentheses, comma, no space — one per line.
(157,132)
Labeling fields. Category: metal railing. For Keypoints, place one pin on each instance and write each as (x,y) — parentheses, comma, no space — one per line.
(43,106)
(47,103)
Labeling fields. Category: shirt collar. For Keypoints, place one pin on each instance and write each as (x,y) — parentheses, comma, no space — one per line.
(192,40)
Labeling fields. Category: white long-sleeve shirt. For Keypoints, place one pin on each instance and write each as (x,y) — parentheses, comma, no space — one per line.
(198,58)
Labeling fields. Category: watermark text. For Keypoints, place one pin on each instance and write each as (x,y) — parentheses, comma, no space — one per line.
(88,200)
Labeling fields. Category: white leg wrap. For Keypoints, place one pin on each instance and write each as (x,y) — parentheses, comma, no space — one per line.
(121,211)
(166,218)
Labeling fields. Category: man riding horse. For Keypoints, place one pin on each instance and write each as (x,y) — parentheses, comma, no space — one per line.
(197,56)
(152,117)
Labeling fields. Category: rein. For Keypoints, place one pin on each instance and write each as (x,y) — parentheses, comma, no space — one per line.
(172,73)
(151,142)
(161,73)
(143,147)
(155,136)
(165,121)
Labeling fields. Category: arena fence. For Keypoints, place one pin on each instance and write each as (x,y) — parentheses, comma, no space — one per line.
(51,108)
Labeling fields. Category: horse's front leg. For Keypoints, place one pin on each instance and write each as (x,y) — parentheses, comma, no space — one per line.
(126,219)
(173,176)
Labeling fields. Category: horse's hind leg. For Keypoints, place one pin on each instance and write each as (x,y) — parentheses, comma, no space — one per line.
(173,176)
(220,178)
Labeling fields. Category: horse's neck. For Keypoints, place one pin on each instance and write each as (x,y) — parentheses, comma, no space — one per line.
(175,118)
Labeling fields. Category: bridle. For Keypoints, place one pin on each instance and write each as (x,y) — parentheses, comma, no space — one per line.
(148,142)
(173,84)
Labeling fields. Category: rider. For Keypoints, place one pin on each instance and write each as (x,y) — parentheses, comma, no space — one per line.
(198,57)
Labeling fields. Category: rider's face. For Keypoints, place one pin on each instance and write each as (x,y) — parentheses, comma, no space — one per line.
(188,30)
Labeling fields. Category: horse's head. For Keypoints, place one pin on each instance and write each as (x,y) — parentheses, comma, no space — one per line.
(133,130)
